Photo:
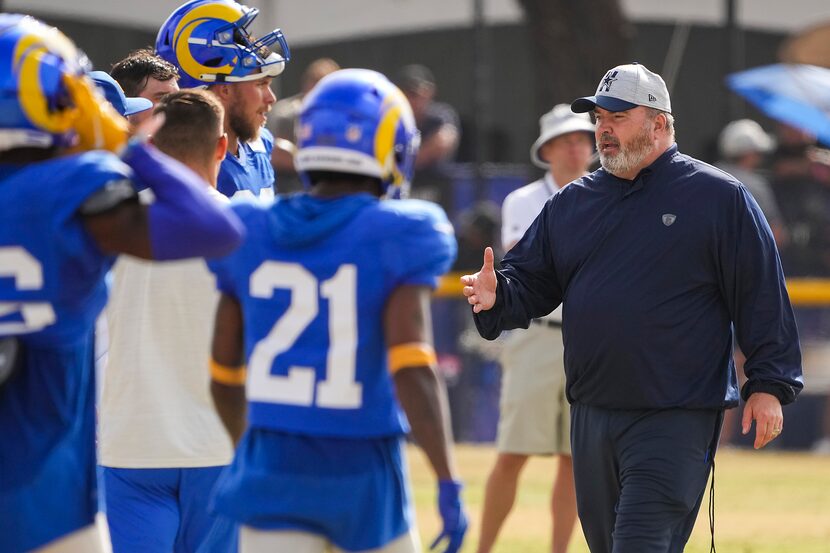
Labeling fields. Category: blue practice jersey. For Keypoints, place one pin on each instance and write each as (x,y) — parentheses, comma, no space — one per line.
(313,278)
(51,291)
(51,274)
(250,174)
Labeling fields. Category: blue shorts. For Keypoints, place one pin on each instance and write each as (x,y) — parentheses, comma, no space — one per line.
(353,492)
(164,511)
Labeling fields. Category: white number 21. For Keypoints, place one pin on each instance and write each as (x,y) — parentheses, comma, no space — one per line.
(338,390)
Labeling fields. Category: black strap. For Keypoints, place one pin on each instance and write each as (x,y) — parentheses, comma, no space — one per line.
(713,446)
(712,509)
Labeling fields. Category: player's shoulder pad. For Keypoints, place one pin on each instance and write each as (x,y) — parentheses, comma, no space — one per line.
(96,164)
(419,238)
(95,173)
(411,215)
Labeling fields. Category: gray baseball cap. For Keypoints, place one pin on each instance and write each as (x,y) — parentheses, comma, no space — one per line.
(742,137)
(625,87)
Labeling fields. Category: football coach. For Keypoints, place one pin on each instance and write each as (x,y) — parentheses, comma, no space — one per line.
(661,261)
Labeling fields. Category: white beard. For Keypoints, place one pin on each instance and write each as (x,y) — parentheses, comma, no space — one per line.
(630,156)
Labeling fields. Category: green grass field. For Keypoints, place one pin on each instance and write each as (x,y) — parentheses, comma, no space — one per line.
(765,502)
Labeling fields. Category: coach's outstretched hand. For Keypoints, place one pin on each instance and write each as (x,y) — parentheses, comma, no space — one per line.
(452,513)
(480,288)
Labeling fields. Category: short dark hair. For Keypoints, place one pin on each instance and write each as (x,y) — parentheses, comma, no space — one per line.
(192,124)
(133,72)
(415,78)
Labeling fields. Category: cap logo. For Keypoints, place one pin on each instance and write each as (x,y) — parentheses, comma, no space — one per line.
(607,81)
(669,219)
(651,98)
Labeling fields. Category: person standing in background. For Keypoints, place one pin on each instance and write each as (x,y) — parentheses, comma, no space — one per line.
(437,122)
(742,146)
(534,412)
(440,129)
(283,122)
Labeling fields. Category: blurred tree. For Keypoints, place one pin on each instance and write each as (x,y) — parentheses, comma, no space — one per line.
(573,43)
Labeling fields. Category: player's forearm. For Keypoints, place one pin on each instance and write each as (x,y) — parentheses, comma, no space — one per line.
(231,407)
(424,401)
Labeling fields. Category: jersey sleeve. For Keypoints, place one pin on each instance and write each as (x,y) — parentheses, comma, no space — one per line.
(222,268)
(421,245)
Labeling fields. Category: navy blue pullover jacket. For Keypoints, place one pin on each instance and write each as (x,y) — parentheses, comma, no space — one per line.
(654,274)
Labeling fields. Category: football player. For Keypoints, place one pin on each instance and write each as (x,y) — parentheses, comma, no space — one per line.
(327,303)
(68,207)
(210,44)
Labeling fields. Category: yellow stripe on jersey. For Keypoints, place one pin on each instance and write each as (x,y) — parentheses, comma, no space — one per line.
(229,376)
(411,354)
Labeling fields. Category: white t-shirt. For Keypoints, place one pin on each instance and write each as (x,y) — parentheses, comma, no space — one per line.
(518,211)
(156,410)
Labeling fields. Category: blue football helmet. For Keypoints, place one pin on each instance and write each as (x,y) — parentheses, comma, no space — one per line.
(46,97)
(356,121)
(209,42)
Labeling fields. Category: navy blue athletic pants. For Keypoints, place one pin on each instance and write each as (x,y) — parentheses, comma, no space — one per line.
(640,475)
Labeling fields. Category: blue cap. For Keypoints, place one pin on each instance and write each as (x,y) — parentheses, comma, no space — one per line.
(588,103)
(115,95)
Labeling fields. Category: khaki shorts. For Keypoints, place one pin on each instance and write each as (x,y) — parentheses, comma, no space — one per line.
(252,540)
(534,413)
